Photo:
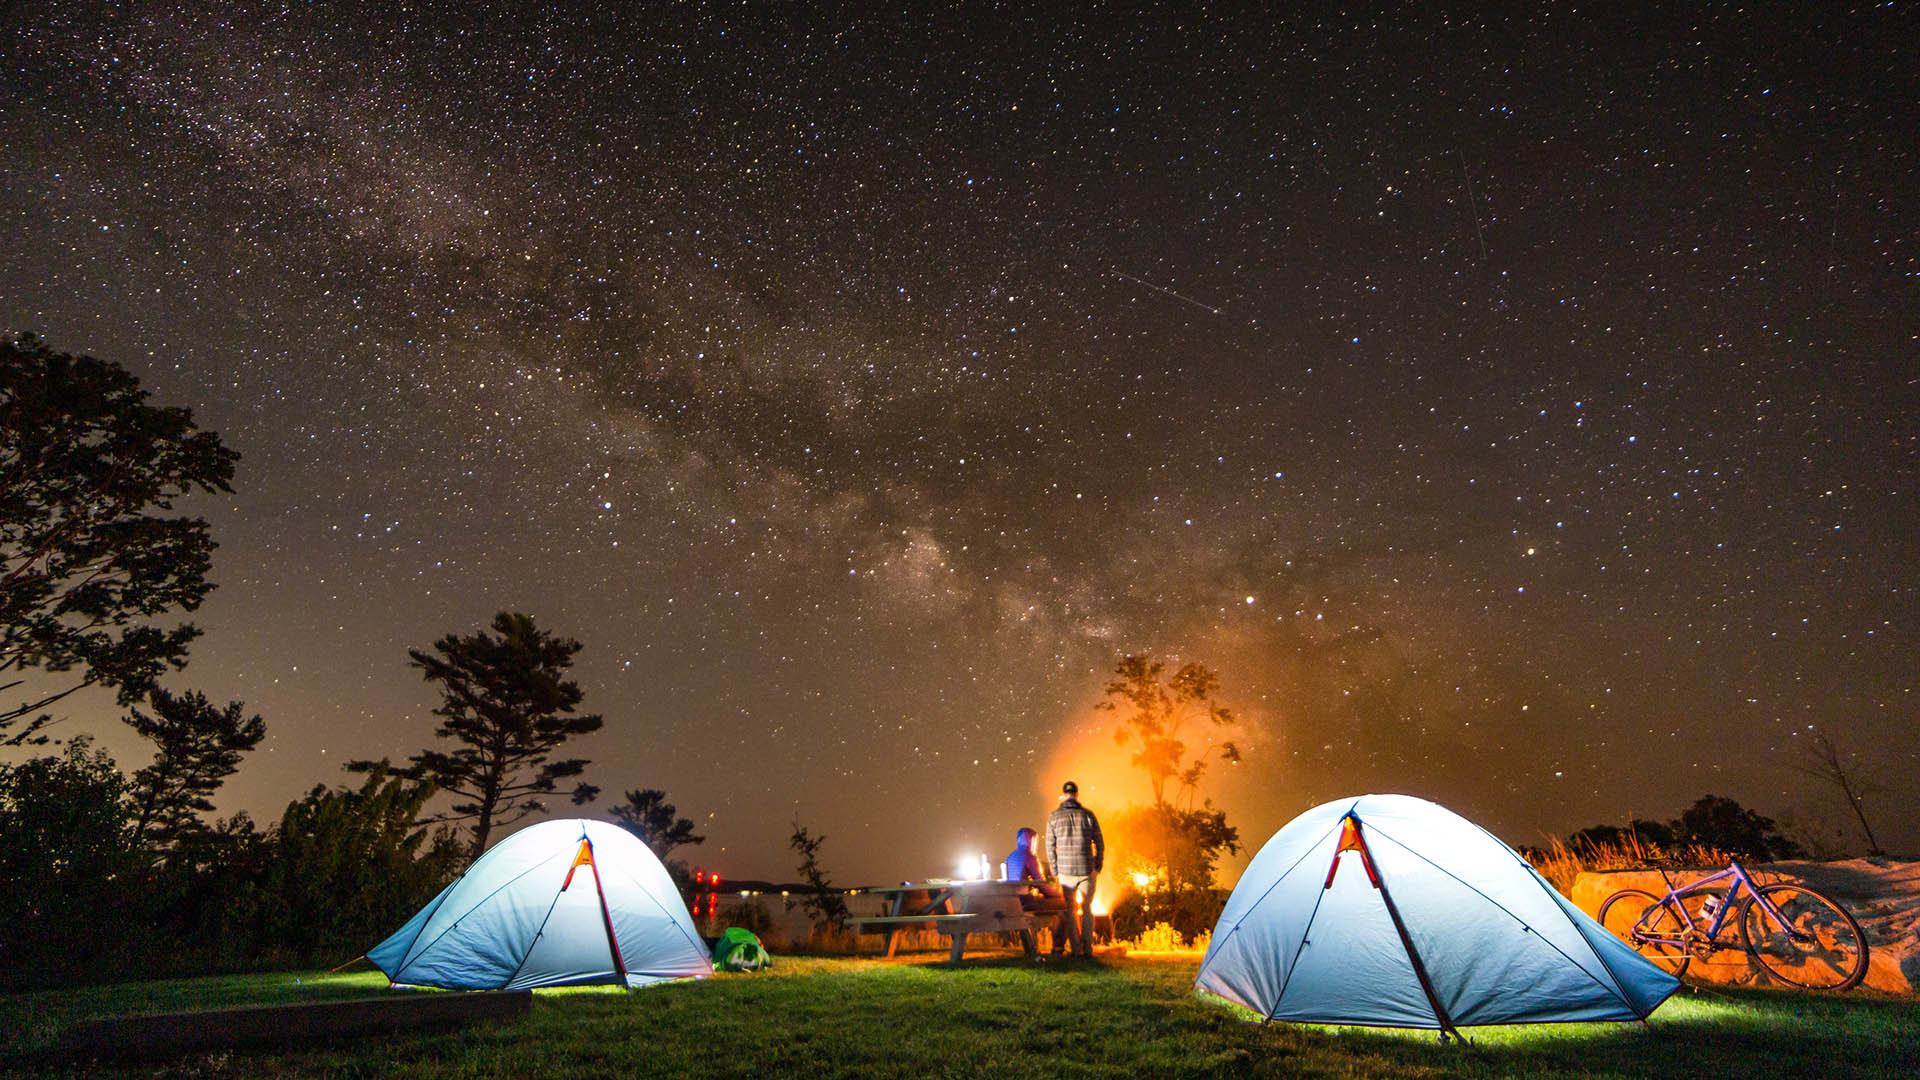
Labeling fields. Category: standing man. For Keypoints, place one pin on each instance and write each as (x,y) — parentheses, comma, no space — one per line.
(1075,853)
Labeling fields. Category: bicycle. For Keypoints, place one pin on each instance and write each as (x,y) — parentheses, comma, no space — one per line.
(1798,936)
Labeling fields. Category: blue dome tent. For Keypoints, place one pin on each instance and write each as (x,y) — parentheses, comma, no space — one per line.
(1390,911)
(561,903)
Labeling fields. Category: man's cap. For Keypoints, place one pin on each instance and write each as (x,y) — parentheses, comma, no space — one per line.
(1070,788)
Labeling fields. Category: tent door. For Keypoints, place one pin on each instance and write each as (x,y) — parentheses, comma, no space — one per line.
(1353,839)
(584,857)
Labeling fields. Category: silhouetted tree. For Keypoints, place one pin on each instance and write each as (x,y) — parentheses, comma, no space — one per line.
(508,706)
(1154,714)
(648,815)
(1182,843)
(821,900)
(197,747)
(1733,828)
(86,563)
(1821,759)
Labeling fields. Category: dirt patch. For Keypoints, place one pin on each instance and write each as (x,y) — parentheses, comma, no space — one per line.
(165,1034)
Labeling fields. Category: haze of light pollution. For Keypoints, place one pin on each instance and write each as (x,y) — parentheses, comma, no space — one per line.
(1515,410)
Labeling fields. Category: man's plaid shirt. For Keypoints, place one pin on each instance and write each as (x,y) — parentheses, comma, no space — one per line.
(1074,845)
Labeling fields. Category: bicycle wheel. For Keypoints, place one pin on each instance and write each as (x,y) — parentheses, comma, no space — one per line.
(1622,916)
(1821,947)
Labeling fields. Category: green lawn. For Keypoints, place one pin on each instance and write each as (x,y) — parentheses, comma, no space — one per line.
(998,1016)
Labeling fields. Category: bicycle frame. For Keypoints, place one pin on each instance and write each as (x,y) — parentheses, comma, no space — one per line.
(1671,903)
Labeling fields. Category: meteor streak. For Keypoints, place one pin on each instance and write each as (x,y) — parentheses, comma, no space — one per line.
(1208,308)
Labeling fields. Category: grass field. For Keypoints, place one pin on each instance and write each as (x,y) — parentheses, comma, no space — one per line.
(994,1016)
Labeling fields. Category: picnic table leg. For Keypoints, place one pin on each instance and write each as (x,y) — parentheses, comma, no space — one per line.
(899,905)
(959,945)
(1029,944)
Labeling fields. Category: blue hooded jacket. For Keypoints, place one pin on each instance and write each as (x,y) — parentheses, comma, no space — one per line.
(1020,863)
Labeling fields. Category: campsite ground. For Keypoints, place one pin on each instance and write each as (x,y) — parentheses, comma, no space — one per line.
(995,1016)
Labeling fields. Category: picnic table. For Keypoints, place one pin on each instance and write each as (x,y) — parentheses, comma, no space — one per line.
(959,908)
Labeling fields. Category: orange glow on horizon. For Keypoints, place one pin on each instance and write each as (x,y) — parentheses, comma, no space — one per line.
(1085,752)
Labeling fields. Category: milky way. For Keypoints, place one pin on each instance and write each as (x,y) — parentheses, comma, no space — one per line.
(1517,413)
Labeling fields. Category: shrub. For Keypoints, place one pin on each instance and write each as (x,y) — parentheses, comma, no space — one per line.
(71,872)
(1190,913)
(1160,937)
(345,868)
(1712,831)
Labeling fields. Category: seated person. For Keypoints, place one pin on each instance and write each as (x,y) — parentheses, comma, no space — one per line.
(1021,864)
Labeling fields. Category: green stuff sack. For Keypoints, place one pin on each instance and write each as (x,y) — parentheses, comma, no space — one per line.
(739,950)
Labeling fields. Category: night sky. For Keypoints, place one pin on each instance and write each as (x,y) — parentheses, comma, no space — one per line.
(1517,411)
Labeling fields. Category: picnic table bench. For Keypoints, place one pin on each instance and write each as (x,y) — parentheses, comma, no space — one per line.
(959,908)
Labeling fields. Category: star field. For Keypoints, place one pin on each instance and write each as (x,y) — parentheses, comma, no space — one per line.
(1517,410)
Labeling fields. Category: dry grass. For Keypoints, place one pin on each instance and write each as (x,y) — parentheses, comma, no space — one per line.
(1162,938)
(1560,863)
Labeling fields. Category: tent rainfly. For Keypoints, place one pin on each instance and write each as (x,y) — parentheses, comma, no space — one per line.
(1390,911)
(561,903)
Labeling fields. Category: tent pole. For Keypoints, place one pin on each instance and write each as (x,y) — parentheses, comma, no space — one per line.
(606,917)
(1406,939)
